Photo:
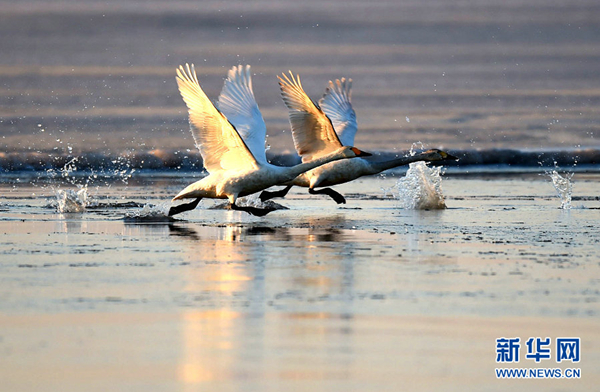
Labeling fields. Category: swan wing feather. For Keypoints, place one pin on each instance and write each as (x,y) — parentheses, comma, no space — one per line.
(336,104)
(312,131)
(219,143)
(238,104)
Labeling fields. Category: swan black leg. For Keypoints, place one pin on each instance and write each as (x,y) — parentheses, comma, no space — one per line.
(253,210)
(266,195)
(184,207)
(329,192)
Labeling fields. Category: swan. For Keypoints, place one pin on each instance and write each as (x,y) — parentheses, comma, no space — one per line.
(234,170)
(319,129)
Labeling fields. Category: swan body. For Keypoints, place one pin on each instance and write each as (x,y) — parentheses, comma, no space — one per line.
(333,174)
(318,129)
(233,184)
(234,169)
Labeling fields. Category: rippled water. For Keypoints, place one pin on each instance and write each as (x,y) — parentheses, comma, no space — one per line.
(309,294)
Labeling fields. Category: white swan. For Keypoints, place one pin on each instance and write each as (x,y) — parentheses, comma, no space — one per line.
(319,129)
(234,170)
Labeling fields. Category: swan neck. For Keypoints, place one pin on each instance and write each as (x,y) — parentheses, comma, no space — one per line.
(306,166)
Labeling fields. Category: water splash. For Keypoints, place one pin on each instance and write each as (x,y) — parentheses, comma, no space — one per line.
(415,147)
(254,201)
(150,214)
(69,200)
(123,169)
(563,187)
(421,188)
(251,201)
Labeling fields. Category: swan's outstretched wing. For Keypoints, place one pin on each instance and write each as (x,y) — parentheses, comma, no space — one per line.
(337,106)
(219,143)
(237,103)
(312,131)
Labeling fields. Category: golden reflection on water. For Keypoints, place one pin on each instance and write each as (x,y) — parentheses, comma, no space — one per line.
(206,334)
(299,284)
(204,344)
(230,268)
(225,345)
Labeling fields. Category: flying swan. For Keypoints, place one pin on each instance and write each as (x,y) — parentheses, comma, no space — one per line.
(319,129)
(234,170)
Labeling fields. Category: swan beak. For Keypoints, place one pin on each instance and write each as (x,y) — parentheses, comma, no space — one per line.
(360,153)
(447,156)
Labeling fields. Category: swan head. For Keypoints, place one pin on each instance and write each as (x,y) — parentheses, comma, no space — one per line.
(438,155)
(352,152)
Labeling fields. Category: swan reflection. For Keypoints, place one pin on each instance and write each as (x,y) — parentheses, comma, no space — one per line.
(253,288)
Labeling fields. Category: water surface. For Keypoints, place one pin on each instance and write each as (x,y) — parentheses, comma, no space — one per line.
(318,296)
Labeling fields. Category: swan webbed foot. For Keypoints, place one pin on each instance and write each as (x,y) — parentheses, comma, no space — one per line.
(266,195)
(337,197)
(184,207)
(253,210)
